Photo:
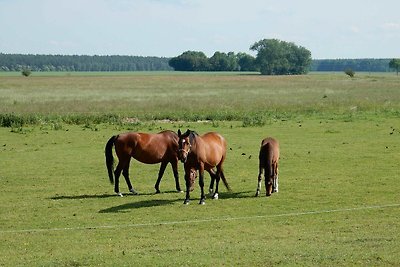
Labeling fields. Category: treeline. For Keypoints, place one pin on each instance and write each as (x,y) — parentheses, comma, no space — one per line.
(19,62)
(367,64)
(194,61)
(220,61)
(274,57)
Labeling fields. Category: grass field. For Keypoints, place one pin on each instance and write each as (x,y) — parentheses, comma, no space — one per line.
(338,202)
(196,96)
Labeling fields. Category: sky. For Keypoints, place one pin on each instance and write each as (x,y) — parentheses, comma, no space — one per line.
(167,28)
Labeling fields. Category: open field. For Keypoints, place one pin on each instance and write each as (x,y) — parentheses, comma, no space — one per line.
(196,96)
(339,178)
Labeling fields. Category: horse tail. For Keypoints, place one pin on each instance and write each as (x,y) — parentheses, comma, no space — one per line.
(110,158)
(226,183)
(269,158)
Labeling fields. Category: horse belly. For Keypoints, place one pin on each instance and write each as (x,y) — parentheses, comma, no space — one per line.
(148,157)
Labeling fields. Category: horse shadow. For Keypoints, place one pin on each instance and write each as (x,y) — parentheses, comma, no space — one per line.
(99,196)
(148,203)
(83,196)
(236,195)
(139,204)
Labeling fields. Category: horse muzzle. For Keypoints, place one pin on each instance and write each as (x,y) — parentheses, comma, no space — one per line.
(183,159)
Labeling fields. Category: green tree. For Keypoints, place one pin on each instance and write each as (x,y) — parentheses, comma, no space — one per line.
(223,62)
(246,62)
(395,64)
(276,57)
(26,72)
(190,61)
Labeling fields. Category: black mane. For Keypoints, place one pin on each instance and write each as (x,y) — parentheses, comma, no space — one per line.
(191,135)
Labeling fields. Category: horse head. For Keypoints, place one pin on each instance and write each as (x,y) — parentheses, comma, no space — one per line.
(192,178)
(185,144)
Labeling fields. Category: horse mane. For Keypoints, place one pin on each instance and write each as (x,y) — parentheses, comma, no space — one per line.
(191,134)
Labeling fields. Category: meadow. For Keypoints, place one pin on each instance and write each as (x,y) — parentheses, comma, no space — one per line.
(338,202)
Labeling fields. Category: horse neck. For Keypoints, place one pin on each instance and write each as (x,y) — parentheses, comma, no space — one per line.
(197,141)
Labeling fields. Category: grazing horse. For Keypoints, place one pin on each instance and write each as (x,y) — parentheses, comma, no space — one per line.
(146,148)
(269,157)
(202,153)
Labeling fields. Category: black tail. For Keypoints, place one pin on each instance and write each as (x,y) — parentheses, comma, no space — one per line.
(226,183)
(268,157)
(110,158)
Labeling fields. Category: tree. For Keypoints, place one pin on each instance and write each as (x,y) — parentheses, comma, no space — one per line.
(246,62)
(190,61)
(223,62)
(26,72)
(349,72)
(395,64)
(275,57)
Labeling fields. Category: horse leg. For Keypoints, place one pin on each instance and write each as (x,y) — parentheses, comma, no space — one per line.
(276,185)
(260,175)
(174,165)
(201,183)
(275,188)
(187,180)
(268,185)
(128,181)
(117,173)
(217,178)
(160,175)
(212,175)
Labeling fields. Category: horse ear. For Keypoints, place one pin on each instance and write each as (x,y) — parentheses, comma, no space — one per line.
(179,132)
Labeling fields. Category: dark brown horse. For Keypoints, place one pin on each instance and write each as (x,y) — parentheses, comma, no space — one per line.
(269,158)
(146,148)
(202,153)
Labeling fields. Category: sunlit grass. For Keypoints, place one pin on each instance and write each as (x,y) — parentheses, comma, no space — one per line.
(188,96)
(56,180)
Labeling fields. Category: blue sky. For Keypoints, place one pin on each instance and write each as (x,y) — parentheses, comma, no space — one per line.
(329,29)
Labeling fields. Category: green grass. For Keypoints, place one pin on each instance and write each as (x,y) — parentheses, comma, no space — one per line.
(338,202)
(58,208)
(195,96)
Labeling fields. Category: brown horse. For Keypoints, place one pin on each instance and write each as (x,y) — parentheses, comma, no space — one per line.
(146,148)
(202,153)
(269,158)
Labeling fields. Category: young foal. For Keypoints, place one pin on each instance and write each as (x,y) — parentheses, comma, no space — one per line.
(146,148)
(202,153)
(269,157)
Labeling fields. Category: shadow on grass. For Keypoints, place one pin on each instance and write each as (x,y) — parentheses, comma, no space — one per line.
(139,204)
(84,196)
(100,196)
(152,202)
(243,194)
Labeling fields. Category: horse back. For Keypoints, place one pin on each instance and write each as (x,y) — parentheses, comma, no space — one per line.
(213,148)
(269,150)
(148,148)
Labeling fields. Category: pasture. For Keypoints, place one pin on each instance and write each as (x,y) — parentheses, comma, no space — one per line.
(338,202)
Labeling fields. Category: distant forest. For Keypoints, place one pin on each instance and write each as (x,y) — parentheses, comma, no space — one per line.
(19,62)
(367,64)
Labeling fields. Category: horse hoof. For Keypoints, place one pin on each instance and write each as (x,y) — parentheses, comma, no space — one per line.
(120,194)
(134,192)
(215,196)
(202,202)
(186,202)
(158,192)
(257,194)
